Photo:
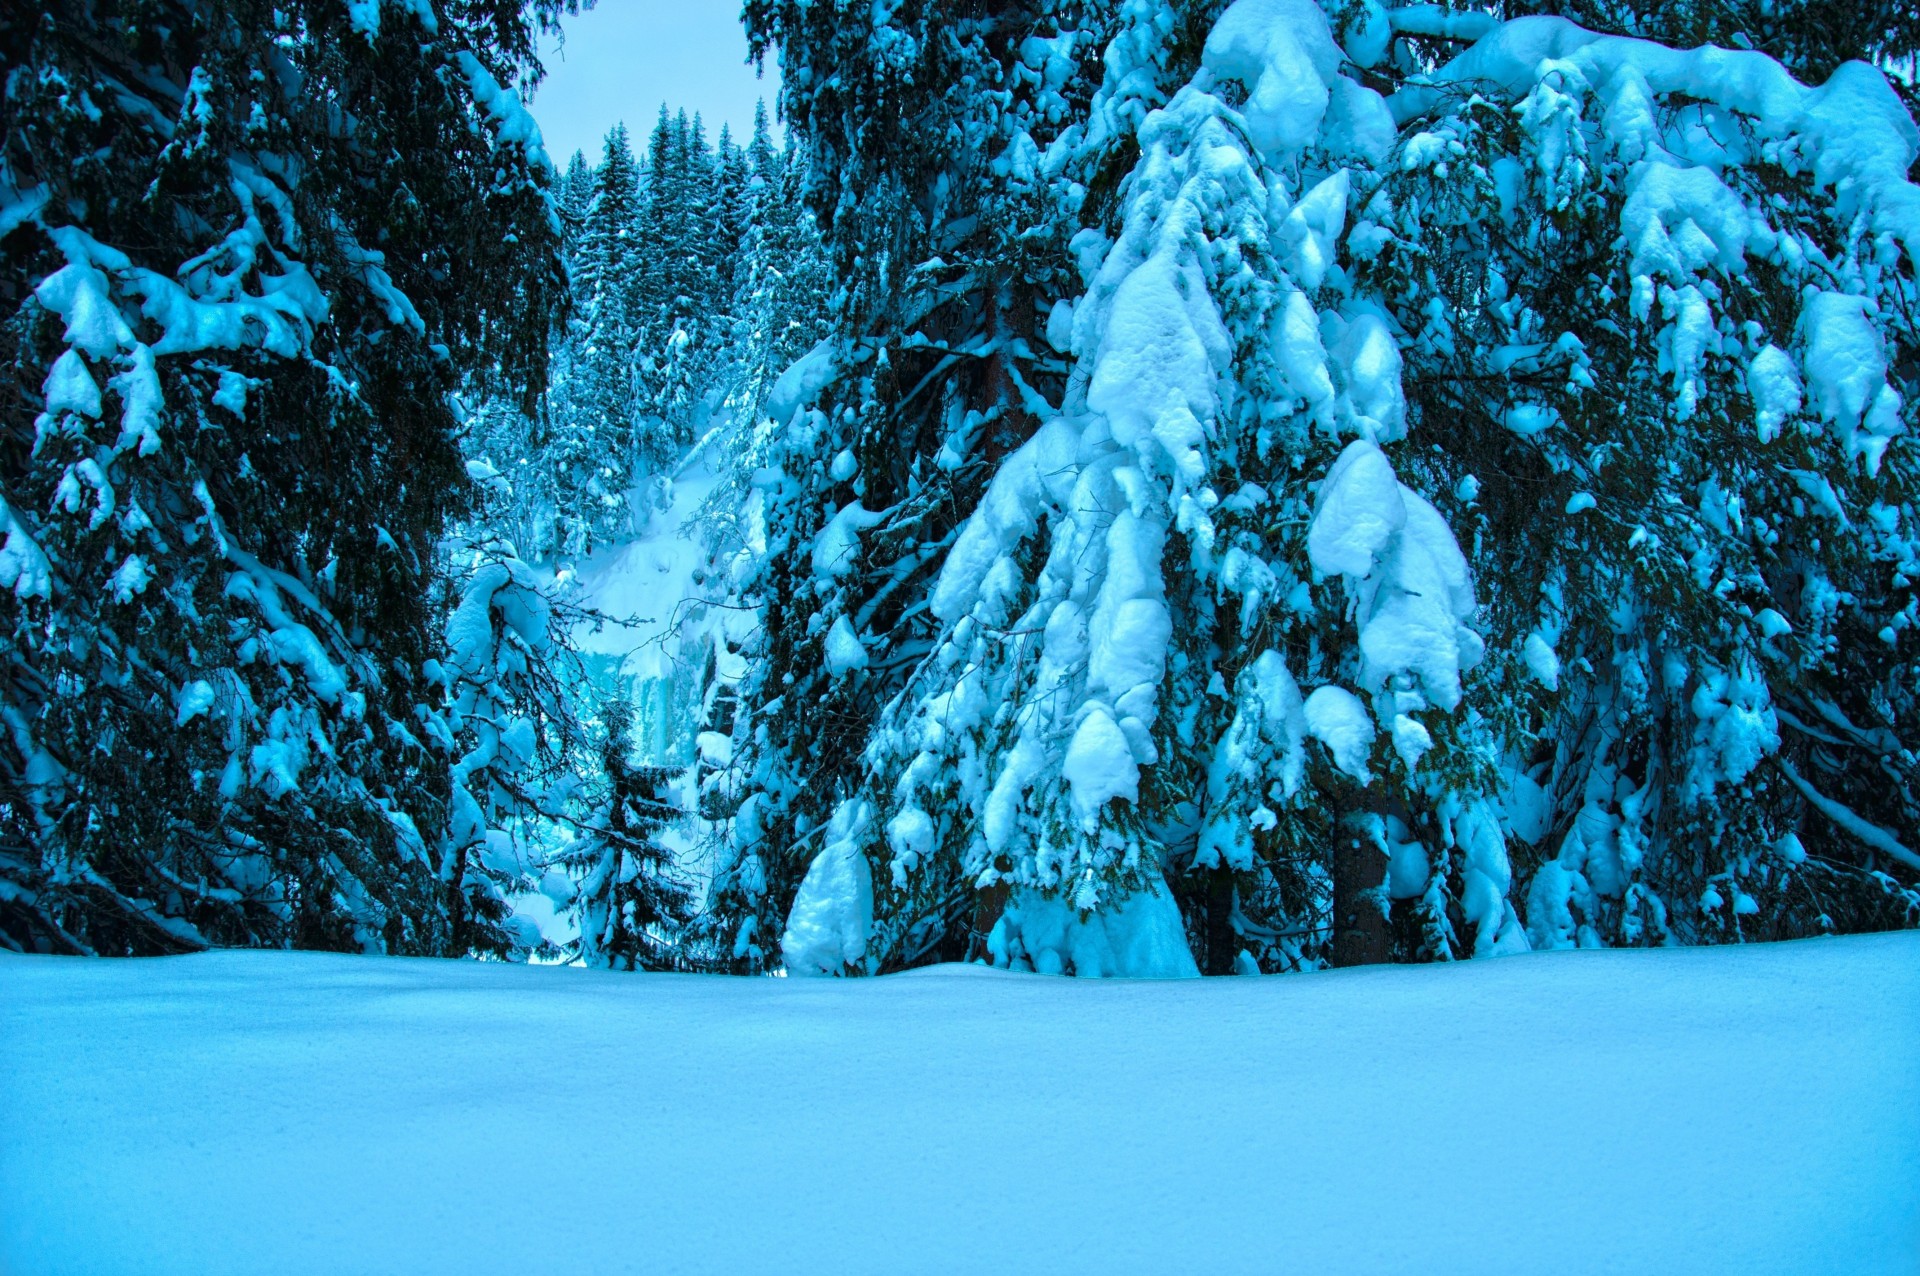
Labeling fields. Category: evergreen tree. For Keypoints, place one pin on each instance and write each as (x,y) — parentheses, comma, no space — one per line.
(517,742)
(572,196)
(1699,592)
(604,267)
(658,219)
(683,336)
(732,212)
(234,328)
(762,156)
(884,439)
(710,240)
(592,413)
(1182,389)
(779,299)
(630,903)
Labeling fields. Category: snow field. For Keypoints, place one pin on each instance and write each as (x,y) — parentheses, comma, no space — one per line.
(1740,1110)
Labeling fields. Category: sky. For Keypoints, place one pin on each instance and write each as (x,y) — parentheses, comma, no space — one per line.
(623,58)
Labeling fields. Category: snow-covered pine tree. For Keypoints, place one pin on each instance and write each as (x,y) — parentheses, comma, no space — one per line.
(780,281)
(657,215)
(946,271)
(233,329)
(707,241)
(572,196)
(630,903)
(730,210)
(1656,302)
(587,453)
(684,329)
(518,746)
(1176,608)
(603,268)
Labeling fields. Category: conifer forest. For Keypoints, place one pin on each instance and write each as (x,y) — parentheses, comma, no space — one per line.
(1105,488)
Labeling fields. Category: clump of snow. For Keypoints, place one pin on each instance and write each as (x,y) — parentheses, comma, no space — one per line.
(1311,230)
(1411,740)
(195,699)
(513,124)
(1140,937)
(1154,372)
(1774,383)
(838,545)
(1358,124)
(1336,718)
(23,564)
(1486,876)
(1734,728)
(1025,482)
(1357,513)
(845,653)
(1408,866)
(1283,53)
(1410,580)
(1543,662)
(1845,362)
(1099,766)
(1264,743)
(1528,419)
(506,588)
(1371,402)
(910,837)
(71,388)
(832,915)
(802,382)
(1558,903)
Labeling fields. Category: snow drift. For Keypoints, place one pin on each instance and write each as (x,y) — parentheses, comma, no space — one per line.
(1740,1110)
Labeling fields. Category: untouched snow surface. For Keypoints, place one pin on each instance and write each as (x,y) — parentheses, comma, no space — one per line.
(1742,1110)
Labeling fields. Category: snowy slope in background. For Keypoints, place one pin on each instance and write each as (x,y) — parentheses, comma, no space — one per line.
(641,583)
(1739,1110)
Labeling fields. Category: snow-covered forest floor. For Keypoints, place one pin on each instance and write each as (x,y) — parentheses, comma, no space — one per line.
(1741,1110)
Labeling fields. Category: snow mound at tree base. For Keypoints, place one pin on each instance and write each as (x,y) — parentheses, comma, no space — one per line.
(1744,1110)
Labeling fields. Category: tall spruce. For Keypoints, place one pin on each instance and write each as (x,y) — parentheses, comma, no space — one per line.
(572,195)
(233,328)
(684,331)
(943,271)
(1208,488)
(593,414)
(604,267)
(630,902)
(1697,544)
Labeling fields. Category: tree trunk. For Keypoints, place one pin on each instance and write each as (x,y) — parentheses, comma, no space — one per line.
(1222,944)
(988,904)
(1360,929)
